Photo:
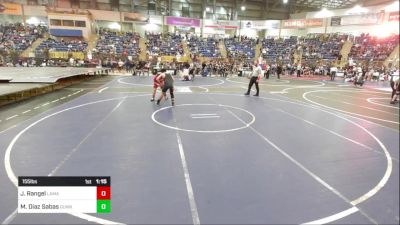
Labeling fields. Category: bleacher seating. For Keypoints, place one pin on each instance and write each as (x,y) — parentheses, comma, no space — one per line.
(313,48)
(204,47)
(167,44)
(282,50)
(126,43)
(321,48)
(18,37)
(367,48)
(61,46)
(243,48)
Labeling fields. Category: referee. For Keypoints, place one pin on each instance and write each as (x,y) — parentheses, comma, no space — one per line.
(255,77)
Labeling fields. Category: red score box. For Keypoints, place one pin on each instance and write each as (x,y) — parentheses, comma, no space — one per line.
(103,193)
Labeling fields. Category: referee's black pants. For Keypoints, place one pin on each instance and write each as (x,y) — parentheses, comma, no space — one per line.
(266,74)
(253,80)
(393,88)
(333,74)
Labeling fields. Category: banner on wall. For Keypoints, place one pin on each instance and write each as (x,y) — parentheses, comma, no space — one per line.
(335,21)
(135,17)
(260,24)
(105,15)
(182,21)
(366,19)
(302,23)
(185,29)
(35,10)
(222,24)
(170,58)
(394,16)
(66,55)
(10,8)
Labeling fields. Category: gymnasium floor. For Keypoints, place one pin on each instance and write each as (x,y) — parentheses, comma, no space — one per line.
(305,151)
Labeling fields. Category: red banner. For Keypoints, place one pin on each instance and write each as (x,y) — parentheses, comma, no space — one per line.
(314,22)
(302,23)
(394,16)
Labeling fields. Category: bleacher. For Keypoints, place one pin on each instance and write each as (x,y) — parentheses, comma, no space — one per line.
(61,46)
(243,48)
(18,37)
(167,44)
(204,47)
(119,43)
(282,50)
(367,48)
(315,47)
(311,48)
(321,48)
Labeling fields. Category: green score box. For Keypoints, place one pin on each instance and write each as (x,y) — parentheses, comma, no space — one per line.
(103,206)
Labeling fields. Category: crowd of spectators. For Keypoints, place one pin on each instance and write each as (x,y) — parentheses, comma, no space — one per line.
(321,48)
(371,48)
(311,50)
(18,37)
(242,47)
(117,43)
(62,45)
(207,47)
(164,44)
(330,49)
(274,50)
(317,50)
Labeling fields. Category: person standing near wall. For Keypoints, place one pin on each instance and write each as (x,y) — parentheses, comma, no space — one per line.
(298,70)
(267,71)
(279,70)
(333,72)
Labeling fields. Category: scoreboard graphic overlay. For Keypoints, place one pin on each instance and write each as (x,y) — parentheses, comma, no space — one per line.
(64,194)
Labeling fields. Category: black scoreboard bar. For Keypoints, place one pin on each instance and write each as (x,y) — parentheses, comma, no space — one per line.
(63,181)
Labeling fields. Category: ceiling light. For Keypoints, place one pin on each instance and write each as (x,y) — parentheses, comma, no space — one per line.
(392,7)
(243,8)
(357,10)
(324,13)
(384,30)
(33,20)
(151,27)
(114,26)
